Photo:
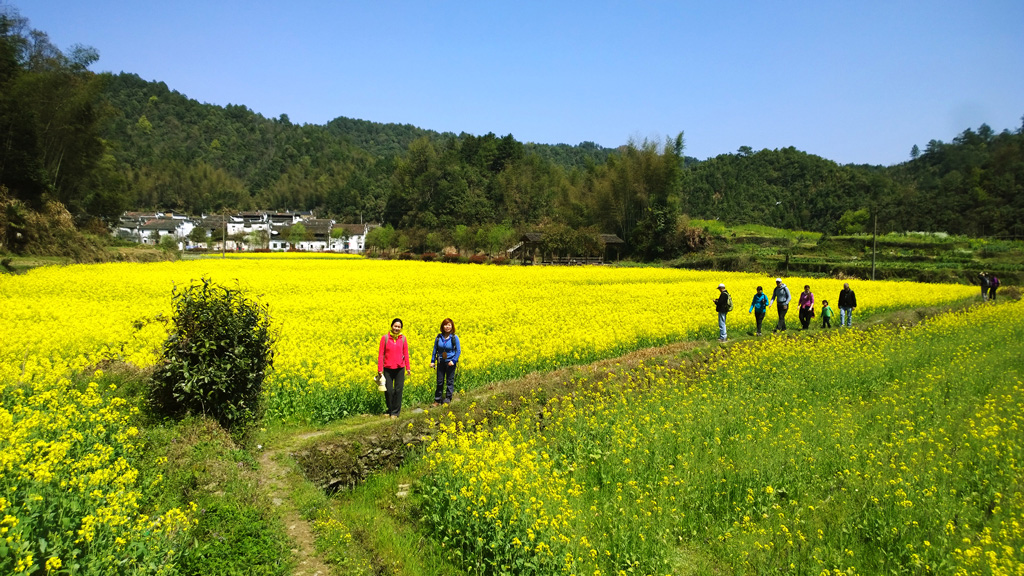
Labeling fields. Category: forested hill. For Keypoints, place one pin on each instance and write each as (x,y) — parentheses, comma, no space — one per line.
(180,154)
(100,144)
(973,185)
(378,139)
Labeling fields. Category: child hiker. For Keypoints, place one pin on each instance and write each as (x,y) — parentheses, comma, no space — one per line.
(826,314)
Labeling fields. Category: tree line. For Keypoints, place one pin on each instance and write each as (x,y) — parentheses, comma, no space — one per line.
(100,144)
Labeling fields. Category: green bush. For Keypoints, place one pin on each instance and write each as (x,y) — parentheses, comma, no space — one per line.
(216,357)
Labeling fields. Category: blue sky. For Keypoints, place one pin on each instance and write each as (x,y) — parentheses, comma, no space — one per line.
(855,82)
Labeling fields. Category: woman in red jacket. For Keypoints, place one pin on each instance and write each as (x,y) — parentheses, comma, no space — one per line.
(393,363)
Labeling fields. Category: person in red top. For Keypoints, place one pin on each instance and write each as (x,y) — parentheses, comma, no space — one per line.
(393,363)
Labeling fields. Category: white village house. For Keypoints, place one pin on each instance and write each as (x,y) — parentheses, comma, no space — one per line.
(149,228)
(275,231)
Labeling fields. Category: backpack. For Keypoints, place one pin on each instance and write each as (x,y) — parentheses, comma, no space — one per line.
(444,354)
(729,300)
(995,282)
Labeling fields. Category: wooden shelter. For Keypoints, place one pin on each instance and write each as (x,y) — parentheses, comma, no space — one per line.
(532,249)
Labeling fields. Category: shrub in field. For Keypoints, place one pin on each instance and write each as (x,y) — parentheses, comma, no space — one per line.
(478,259)
(216,358)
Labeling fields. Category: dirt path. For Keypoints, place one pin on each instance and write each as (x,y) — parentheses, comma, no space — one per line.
(274,483)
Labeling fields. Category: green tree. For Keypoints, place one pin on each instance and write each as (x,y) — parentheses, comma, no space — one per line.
(297,233)
(465,238)
(198,235)
(434,242)
(258,239)
(168,242)
(854,221)
(381,238)
(499,237)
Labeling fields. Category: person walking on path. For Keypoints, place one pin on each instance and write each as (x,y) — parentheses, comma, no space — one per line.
(447,351)
(759,306)
(993,283)
(393,363)
(723,304)
(806,307)
(826,314)
(847,302)
(985,285)
(781,294)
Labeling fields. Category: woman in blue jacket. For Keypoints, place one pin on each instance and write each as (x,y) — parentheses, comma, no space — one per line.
(447,351)
(759,307)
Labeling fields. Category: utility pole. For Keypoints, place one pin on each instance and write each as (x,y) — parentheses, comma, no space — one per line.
(874,246)
(224,240)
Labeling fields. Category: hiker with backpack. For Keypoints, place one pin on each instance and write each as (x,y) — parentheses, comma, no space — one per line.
(723,304)
(447,350)
(781,294)
(985,285)
(993,283)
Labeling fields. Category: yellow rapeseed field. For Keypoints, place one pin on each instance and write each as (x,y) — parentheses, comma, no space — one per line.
(69,486)
(331,312)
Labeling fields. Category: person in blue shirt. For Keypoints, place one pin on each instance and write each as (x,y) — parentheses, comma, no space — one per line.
(759,307)
(447,351)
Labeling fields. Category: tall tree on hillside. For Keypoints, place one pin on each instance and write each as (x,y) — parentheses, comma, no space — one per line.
(21,166)
(636,193)
(662,178)
(52,112)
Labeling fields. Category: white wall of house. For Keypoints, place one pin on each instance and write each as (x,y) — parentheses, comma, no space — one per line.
(355,243)
(312,245)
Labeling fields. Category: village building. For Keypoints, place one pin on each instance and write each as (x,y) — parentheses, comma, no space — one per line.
(350,237)
(244,231)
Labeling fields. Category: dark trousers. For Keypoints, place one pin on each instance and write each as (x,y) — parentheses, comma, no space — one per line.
(783,308)
(445,373)
(759,317)
(394,381)
(992,293)
(805,317)
(826,321)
